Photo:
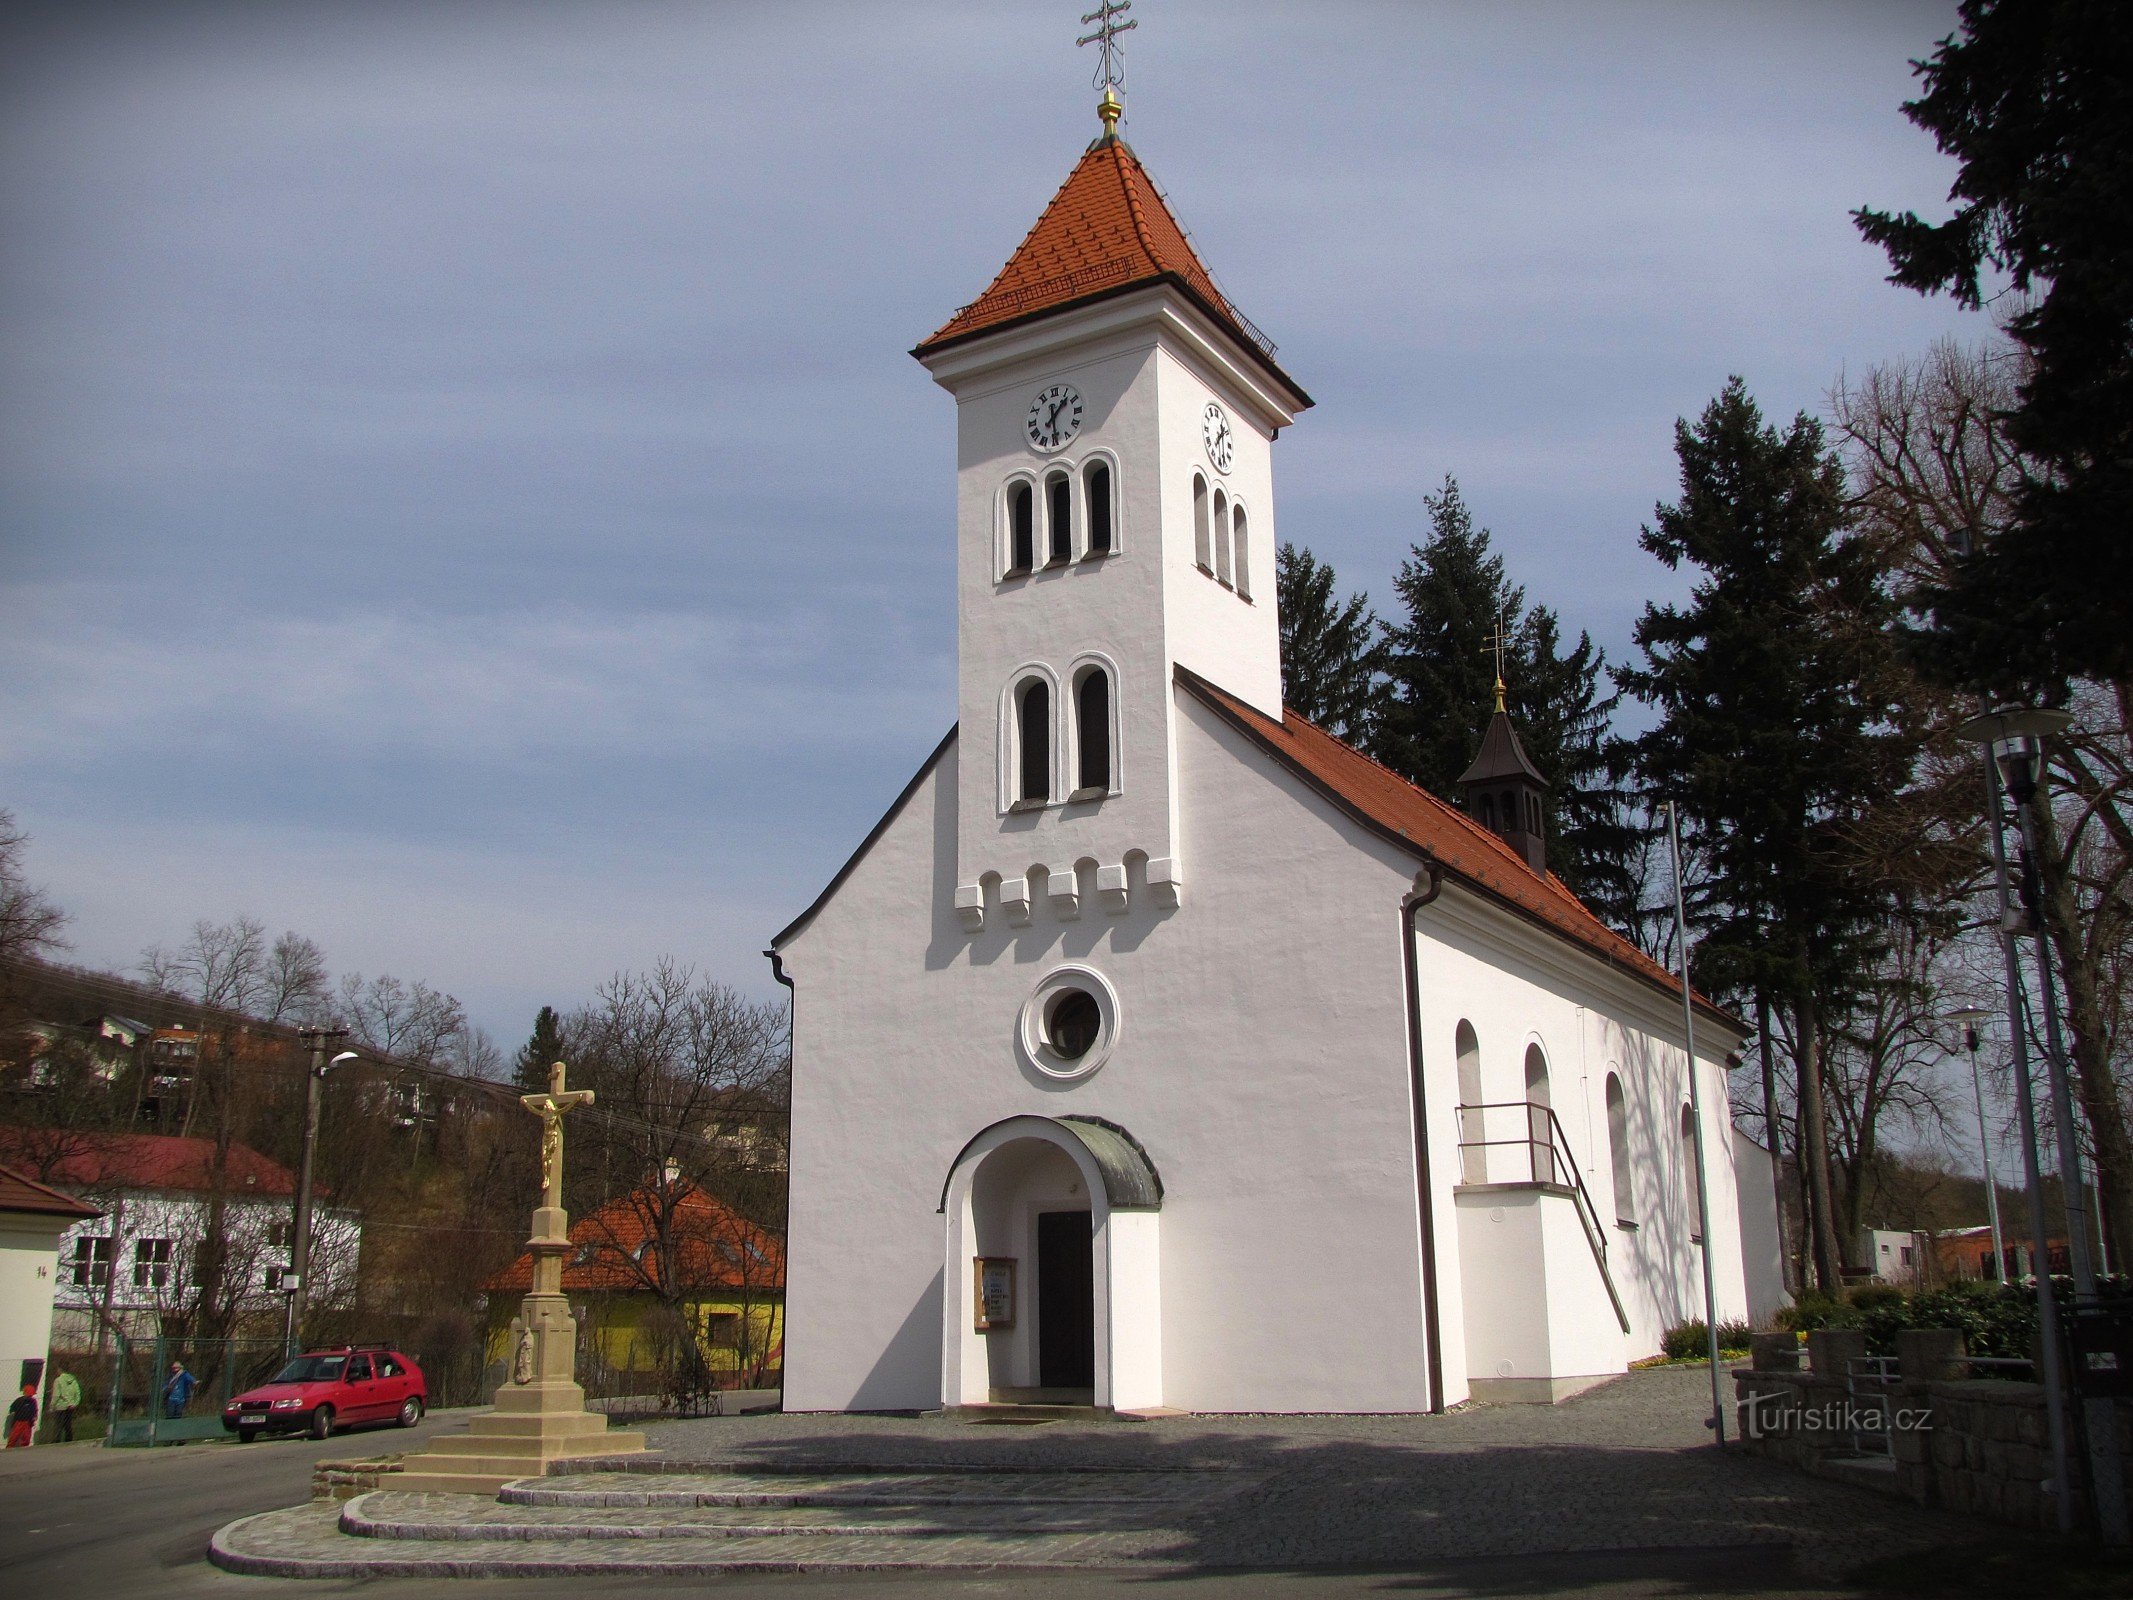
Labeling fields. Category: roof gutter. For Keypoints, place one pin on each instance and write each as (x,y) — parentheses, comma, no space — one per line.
(1429,883)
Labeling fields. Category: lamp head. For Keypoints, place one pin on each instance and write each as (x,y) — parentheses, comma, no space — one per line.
(2014,722)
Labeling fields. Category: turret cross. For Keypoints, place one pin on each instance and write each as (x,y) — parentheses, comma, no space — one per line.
(1111,58)
(550,1108)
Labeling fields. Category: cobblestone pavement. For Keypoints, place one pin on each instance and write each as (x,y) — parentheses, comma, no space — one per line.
(1625,1468)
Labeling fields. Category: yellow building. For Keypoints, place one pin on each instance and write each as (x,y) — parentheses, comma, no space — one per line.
(668,1286)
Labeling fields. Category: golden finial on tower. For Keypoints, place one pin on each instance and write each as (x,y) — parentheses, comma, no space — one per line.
(1110,59)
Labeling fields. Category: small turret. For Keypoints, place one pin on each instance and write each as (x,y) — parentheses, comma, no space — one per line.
(1505,792)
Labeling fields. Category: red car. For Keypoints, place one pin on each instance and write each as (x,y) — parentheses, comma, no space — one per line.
(326,1389)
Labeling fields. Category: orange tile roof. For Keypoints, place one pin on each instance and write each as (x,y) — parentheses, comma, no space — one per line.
(97,1161)
(712,1247)
(1108,228)
(1418,821)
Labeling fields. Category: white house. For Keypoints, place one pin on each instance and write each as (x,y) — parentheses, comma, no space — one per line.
(1156,1048)
(133,1264)
(33,1216)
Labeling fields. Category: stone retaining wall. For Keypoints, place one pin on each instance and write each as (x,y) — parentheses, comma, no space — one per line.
(1978,1446)
(344,1480)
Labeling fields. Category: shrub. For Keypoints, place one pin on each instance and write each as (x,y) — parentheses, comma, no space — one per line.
(1687,1342)
(1875,1297)
(1814,1309)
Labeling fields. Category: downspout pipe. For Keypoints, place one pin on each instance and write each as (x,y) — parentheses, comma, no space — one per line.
(1429,883)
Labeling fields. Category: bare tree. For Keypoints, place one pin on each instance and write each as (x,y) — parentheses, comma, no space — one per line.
(29,923)
(1936,476)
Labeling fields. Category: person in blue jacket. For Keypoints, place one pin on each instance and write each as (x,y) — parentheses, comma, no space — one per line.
(178,1390)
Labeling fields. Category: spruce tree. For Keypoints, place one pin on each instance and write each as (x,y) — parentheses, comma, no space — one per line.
(2032,100)
(529,1070)
(1439,691)
(1774,691)
(1328,647)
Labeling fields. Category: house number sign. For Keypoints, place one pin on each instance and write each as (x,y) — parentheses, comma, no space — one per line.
(995,1293)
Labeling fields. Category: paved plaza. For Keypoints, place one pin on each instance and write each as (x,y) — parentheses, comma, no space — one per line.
(1627,1468)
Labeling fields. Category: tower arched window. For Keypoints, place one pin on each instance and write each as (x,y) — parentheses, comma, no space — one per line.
(1203,543)
(1059,516)
(1033,740)
(1241,568)
(1221,537)
(1618,1146)
(1092,733)
(1102,511)
(1021,527)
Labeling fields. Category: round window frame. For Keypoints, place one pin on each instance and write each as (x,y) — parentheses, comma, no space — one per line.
(1036,1051)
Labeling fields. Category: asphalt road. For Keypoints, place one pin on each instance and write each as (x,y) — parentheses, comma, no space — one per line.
(84,1523)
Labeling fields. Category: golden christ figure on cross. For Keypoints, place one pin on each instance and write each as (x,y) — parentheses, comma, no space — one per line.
(550,1108)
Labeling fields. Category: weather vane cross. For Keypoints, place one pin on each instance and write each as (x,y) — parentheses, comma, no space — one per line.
(1111,56)
(1493,645)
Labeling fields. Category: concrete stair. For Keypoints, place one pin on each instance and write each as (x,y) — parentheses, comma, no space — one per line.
(502,1448)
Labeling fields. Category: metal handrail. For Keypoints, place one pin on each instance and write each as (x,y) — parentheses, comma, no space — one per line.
(1557,1145)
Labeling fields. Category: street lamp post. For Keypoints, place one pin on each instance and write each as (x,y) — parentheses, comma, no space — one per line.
(298,1281)
(1969,1017)
(2021,729)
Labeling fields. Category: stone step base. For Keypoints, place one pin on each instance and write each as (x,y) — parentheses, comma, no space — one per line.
(1025,1412)
(726,1521)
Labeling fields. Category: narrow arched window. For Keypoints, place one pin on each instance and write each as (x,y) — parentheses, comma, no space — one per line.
(1203,545)
(1059,512)
(1021,528)
(1473,1154)
(1242,568)
(1618,1146)
(1033,716)
(1488,813)
(1540,1124)
(1096,492)
(1688,1172)
(1221,537)
(1092,721)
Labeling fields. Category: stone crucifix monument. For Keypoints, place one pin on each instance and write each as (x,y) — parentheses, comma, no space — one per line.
(540,1413)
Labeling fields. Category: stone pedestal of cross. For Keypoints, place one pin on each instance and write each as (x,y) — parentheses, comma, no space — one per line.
(540,1413)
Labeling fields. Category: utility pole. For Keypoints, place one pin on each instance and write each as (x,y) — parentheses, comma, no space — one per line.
(298,1280)
(1969,1017)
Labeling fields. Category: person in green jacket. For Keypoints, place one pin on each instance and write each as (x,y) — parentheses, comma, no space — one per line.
(62,1398)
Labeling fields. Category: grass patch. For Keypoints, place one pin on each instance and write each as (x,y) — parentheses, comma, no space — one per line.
(2015,1567)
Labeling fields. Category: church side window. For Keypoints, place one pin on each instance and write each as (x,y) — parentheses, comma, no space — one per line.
(1221,537)
(1241,569)
(1203,543)
(1021,528)
(1092,730)
(1096,495)
(1473,1156)
(1688,1174)
(1033,740)
(1540,1126)
(1618,1148)
(1059,517)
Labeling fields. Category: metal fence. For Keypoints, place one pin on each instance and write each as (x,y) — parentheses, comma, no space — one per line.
(168,1390)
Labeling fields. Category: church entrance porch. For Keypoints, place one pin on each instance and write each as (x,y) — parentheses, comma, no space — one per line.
(1052,1245)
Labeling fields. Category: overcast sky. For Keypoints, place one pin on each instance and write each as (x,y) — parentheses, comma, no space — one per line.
(464,494)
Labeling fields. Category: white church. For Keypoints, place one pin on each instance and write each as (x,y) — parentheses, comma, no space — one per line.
(1158,1050)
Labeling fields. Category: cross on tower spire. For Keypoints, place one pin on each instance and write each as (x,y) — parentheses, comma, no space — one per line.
(1110,59)
(1494,646)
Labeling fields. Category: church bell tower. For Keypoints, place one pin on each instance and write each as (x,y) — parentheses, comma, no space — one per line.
(1114,522)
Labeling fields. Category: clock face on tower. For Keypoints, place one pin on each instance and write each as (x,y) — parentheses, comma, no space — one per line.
(1054,416)
(1221,440)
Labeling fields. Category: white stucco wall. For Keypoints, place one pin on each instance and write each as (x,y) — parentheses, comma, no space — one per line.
(1262,1062)
(29,1275)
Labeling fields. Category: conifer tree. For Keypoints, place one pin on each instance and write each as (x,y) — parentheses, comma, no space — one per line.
(1328,647)
(1440,689)
(1774,690)
(530,1069)
(2031,98)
